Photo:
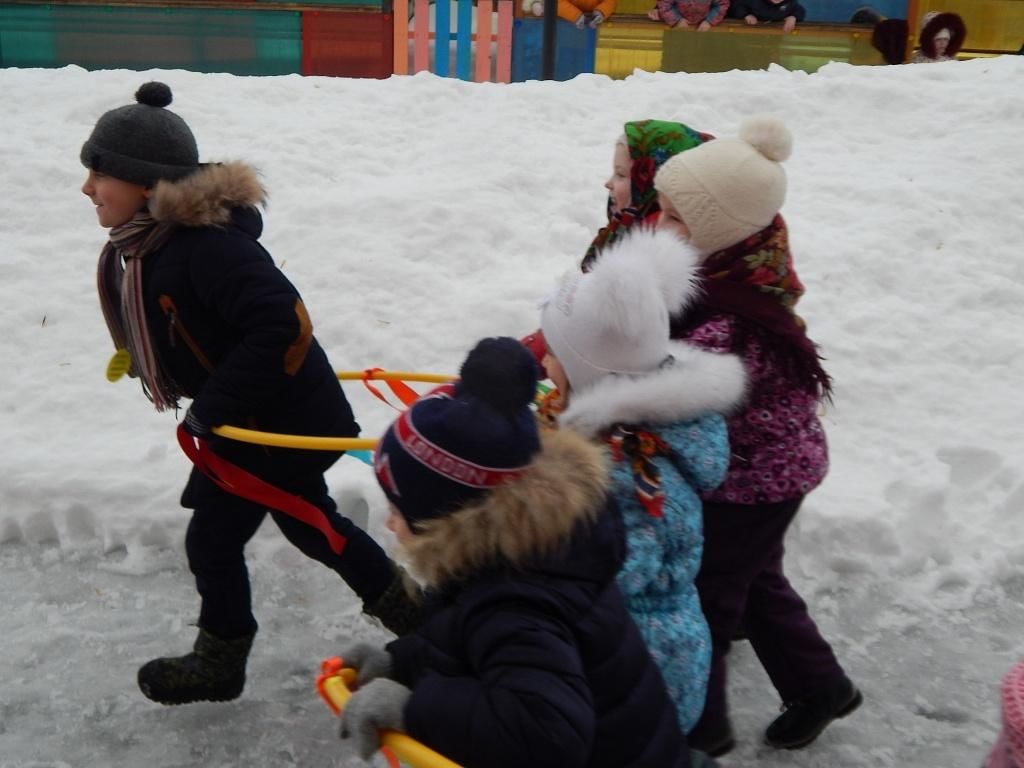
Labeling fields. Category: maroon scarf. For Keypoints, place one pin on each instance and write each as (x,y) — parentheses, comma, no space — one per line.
(755,282)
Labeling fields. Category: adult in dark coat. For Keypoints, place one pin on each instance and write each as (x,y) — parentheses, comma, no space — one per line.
(528,655)
(203,313)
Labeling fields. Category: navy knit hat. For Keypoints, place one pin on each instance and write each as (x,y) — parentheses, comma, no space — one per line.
(463,439)
(142,143)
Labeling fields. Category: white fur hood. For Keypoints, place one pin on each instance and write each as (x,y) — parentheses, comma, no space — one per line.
(693,383)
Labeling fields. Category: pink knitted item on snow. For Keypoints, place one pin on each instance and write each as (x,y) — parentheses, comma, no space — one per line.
(1013,712)
(1008,751)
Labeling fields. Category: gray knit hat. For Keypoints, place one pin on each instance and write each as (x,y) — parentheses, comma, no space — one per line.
(142,143)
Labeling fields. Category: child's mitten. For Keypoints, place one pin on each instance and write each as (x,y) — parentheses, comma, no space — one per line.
(369,661)
(595,19)
(376,707)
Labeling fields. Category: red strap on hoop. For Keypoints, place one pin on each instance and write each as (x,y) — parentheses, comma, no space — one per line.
(400,389)
(238,482)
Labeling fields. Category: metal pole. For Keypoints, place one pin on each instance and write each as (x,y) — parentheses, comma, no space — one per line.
(547,67)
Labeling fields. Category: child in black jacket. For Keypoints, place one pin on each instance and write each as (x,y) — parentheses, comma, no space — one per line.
(527,655)
(200,310)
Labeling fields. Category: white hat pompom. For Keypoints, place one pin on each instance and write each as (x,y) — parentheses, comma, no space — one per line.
(670,261)
(769,136)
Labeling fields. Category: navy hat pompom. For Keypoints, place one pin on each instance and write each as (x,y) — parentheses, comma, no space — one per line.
(502,373)
(463,440)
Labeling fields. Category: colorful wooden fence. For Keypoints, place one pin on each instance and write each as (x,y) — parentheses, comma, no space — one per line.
(474,34)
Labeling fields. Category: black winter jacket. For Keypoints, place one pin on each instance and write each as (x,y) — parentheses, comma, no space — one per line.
(232,331)
(765,10)
(528,656)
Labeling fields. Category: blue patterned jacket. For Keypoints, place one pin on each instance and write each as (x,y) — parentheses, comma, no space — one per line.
(683,404)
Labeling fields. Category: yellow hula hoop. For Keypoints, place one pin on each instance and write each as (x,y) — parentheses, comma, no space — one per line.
(406,748)
(429,378)
(278,440)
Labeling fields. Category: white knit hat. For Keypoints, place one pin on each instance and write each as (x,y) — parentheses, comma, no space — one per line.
(615,318)
(725,190)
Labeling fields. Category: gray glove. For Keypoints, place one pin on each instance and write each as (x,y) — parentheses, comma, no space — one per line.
(595,20)
(369,661)
(378,706)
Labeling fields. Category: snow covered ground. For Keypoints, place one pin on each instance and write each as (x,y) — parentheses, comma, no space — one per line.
(417,215)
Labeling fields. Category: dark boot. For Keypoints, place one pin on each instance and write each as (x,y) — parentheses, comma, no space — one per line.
(214,671)
(804,719)
(713,738)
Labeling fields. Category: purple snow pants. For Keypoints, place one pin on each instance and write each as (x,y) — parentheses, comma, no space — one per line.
(742,587)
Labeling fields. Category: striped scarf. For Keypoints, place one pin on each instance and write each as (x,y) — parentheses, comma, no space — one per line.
(639,447)
(627,443)
(119,282)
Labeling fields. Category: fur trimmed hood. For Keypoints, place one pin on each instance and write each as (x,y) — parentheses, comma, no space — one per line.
(694,383)
(520,522)
(207,197)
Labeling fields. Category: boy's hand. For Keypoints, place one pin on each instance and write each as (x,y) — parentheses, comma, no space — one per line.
(581,22)
(376,707)
(789,24)
(704,26)
(596,19)
(751,19)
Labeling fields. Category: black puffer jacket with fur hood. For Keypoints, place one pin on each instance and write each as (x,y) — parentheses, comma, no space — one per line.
(231,329)
(528,656)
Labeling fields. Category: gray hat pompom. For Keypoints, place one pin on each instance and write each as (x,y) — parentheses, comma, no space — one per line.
(154,94)
(142,143)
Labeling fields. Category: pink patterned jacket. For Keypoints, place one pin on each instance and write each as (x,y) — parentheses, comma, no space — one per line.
(777,442)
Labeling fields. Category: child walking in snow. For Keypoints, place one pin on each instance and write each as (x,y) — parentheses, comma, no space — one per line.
(198,304)
(639,152)
(526,655)
(656,406)
(724,197)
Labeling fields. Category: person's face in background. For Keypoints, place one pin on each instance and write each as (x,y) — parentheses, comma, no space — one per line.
(941,43)
(620,185)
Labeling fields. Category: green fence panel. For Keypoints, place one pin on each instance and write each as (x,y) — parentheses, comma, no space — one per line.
(26,36)
(197,39)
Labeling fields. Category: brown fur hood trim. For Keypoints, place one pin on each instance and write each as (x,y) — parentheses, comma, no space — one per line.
(565,483)
(206,197)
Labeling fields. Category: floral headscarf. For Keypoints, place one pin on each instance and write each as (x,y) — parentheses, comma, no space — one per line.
(650,144)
